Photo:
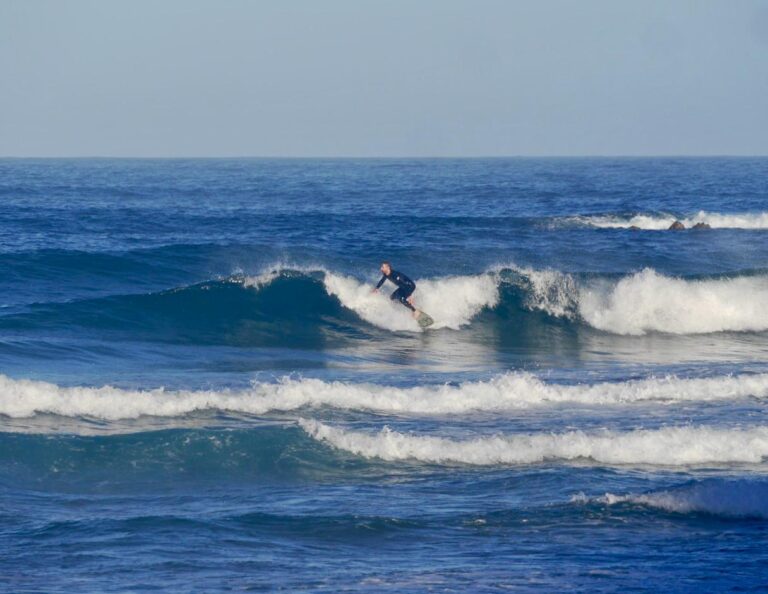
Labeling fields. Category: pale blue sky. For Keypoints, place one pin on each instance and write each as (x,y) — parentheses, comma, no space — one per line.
(386,78)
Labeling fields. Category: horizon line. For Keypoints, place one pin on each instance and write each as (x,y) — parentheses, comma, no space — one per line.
(401,157)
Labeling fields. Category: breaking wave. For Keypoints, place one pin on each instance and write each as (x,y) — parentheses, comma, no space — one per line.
(313,307)
(510,391)
(648,301)
(670,446)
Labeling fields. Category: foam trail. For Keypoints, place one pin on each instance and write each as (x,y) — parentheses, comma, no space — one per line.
(730,498)
(673,446)
(451,301)
(715,220)
(511,391)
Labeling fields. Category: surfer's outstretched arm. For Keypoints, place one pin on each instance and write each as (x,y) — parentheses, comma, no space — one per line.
(381,282)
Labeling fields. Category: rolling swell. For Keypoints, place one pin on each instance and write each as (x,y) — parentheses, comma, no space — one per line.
(317,308)
(295,311)
(313,450)
(200,454)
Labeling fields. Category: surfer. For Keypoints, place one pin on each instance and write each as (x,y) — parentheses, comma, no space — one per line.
(405,287)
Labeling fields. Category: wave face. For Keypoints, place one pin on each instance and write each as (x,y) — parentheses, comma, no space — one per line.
(659,222)
(507,392)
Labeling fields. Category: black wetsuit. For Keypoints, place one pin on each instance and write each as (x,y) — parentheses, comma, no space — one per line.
(405,287)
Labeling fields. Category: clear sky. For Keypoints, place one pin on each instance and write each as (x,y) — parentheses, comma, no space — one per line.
(383,78)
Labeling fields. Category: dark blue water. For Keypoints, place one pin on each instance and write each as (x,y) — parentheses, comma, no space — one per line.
(199,392)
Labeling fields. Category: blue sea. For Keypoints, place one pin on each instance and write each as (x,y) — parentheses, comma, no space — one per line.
(200,393)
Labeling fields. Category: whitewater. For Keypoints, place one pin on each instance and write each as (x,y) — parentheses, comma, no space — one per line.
(670,446)
(507,392)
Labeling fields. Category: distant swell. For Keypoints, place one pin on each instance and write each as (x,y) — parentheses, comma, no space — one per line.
(672,446)
(511,391)
(715,220)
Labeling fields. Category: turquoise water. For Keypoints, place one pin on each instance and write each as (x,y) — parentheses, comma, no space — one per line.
(200,393)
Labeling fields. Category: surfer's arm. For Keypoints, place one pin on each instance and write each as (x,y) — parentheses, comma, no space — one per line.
(381,282)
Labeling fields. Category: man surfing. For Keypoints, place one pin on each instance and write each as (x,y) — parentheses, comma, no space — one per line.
(405,287)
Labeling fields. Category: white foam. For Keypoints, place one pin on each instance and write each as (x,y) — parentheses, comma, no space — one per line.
(731,498)
(672,446)
(648,301)
(551,291)
(651,302)
(511,391)
(451,301)
(758,220)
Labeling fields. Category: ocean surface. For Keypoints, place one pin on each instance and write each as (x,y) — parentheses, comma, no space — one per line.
(200,393)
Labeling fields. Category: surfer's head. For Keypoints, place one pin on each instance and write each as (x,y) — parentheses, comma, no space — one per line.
(386,268)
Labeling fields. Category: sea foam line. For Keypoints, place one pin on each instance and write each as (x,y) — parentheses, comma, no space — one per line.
(670,446)
(510,391)
(756,220)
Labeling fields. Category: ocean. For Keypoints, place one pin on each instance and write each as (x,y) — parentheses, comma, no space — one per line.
(200,393)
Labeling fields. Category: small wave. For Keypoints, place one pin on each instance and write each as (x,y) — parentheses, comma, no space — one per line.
(663,221)
(729,498)
(671,446)
(511,391)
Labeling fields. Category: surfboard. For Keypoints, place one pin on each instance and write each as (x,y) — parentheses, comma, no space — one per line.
(424,320)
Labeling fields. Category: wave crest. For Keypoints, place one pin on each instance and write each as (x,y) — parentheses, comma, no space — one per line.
(671,446)
(729,498)
(510,391)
